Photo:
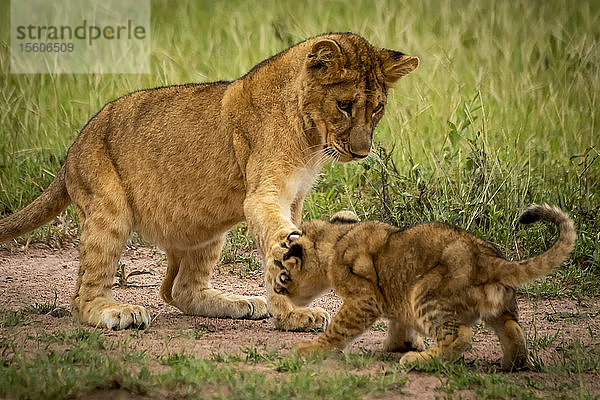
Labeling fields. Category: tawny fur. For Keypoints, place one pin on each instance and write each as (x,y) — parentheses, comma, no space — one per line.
(181,164)
(433,279)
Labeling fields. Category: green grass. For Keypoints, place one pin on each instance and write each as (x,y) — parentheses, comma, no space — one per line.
(568,370)
(379,326)
(237,252)
(79,361)
(9,319)
(74,363)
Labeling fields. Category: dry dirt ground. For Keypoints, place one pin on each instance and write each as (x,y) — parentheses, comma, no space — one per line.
(38,273)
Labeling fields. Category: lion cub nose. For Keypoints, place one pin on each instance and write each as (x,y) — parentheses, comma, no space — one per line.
(360,145)
(358,155)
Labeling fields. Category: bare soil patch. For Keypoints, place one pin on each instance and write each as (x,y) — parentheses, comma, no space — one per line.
(39,273)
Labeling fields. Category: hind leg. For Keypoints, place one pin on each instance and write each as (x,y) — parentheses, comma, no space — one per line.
(402,337)
(187,286)
(512,340)
(166,288)
(106,221)
(452,340)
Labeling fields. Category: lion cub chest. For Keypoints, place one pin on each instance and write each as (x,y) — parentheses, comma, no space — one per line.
(297,187)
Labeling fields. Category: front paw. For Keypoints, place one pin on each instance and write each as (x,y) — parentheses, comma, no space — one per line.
(414,357)
(117,316)
(303,319)
(403,347)
(281,260)
(306,348)
(277,275)
(288,267)
(281,281)
(282,245)
(522,363)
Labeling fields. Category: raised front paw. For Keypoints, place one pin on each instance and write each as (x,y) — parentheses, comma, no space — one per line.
(282,247)
(277,276)
(281,281)
(282,260)
(303,319)
(281,277)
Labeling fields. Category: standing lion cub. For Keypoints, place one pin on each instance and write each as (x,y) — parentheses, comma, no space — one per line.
(182,164)
(433,279)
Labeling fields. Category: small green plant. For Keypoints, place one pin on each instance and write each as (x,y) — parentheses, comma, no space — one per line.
(9,319)
(359,360)
(253,356)
(593,334)
(379,326)
(42,308)
(537,343)
(247,265)
(568,316)
(225,358)
(89,337)
(124,278)
(195,333)
(292,362)
(575,357)
(250,354)
(390,380)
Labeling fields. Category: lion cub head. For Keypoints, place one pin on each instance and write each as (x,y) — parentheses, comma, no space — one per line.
(344,88)
(303,271)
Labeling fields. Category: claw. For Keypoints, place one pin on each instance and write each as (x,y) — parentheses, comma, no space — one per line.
(294,251)
(280,290)
(293,236)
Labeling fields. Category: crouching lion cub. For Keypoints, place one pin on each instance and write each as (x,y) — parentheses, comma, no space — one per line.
(182,164)
(432,279)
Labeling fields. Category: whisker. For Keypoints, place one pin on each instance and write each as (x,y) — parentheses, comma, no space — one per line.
(319,157)
(315,146)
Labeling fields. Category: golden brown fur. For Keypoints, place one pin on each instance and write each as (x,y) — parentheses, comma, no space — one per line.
(433,279)
(181,164)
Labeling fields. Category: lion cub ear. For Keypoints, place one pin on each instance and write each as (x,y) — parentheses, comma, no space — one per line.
(396,64)
(325,58)
(344,217)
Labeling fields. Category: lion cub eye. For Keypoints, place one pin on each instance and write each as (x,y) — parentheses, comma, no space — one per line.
(378,108)
(345,107)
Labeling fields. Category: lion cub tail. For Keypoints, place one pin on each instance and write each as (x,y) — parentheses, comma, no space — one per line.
(50,203)
(517,272)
